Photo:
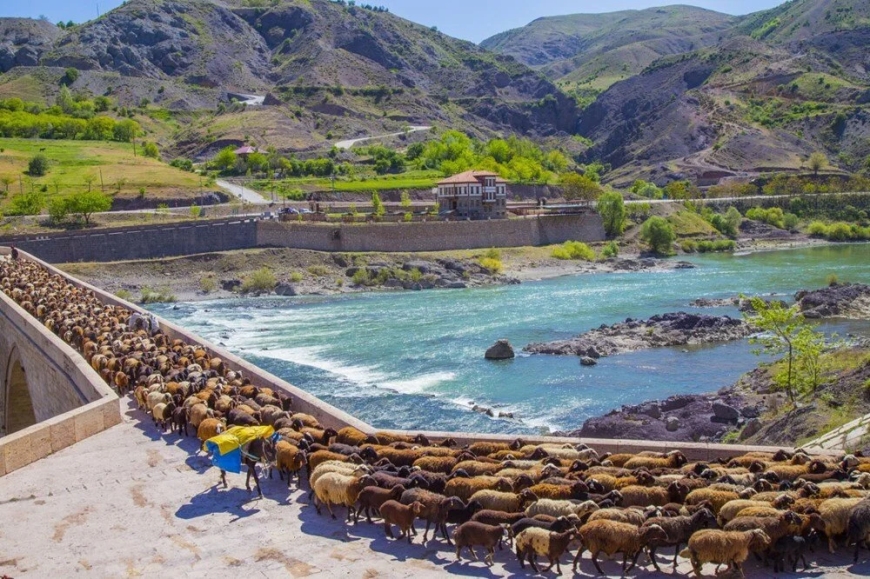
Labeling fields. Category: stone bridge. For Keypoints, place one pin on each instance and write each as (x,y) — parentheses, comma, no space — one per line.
(50,397)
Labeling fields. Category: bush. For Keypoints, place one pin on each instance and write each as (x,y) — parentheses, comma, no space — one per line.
(610,249)
(818,229)
(707,246)
(611,207)
(27,204)
(262,280)
(38,166)
(659,234)
(408,217)
(773,216)
(296,277)
(492,265)
(124,294)
(361,277)
(689,246)
(832,279)
(790,221)
(318,270)
(840,231)
(58,210)
(152,296)
(207,284)
(493,253)
(574,250)
(149,149)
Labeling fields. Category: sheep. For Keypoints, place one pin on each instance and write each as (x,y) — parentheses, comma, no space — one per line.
(559,524)
(337,489)
(835,513)
(678,530)
(731,547)
(371,498)
(209,428)
(289,459)
(347,468)
(717,498)
(615,537)
(395,513)
(490,517)
(788,523)
(858,527)
(505,502)
(478,467)
(791,546)
(463,488)
(533,541)
(473,533)
(560,508)
(673,459)
(630,515)
(435,509)
(578,490)
(436,464)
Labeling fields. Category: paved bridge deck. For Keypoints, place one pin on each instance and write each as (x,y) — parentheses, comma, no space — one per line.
(129,502)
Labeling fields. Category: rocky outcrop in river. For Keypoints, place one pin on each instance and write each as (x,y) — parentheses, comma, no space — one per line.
(842,300)
(671,329)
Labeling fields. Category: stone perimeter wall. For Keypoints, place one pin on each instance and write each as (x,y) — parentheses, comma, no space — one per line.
(151,242)
(332,417)
(70,400)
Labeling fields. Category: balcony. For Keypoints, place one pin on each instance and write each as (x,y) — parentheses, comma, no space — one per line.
(488,190)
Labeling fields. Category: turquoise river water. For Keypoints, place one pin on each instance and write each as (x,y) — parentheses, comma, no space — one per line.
(414,360)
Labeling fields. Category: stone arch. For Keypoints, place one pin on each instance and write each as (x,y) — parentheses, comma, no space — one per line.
(17,412)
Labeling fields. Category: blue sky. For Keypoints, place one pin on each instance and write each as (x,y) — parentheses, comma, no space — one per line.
(469,19)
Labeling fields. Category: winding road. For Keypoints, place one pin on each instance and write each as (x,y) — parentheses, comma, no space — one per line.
(243,193)
(347,144)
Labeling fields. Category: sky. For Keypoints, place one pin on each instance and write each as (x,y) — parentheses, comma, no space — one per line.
(472,20)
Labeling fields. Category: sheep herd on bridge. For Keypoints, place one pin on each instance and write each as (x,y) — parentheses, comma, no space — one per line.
(540,499)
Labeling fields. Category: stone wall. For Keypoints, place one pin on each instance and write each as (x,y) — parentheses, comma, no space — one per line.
(434,236)
(49,395)
(142,242)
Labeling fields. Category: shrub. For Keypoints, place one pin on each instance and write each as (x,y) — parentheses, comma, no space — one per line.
(124,294)
(58,210)
(492,265)
(611,207)
(318,270)
(261,280)
(610,249)
(153,296)
(773,216)
(832,279)
(361,277)
(818,229)
(659,234)
(408,217)
(295,277)
(574,250)
(790,221)
(149,149)
(38,166)
(689,246)
(493,253)
(207,284)
(707,246)
(30,203)
(840,231)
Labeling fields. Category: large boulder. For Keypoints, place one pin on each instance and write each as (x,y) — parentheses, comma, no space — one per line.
(501,350)
(285,289)
(752,427)
(587,361)
(725,413)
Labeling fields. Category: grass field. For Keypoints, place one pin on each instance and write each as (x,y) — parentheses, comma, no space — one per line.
(73,163)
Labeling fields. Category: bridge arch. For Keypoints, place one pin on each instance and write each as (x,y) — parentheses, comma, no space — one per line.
(17,412)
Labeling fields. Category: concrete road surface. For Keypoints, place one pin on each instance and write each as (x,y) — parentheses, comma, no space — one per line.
(243,193)
(351,142)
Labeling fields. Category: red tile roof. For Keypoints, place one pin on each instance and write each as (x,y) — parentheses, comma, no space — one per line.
(470,177)
(245,151)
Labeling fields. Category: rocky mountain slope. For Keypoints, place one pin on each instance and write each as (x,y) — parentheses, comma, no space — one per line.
(720,95)
(326,67)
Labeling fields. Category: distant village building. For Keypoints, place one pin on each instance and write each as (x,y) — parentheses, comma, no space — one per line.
(243,152)
(473,195)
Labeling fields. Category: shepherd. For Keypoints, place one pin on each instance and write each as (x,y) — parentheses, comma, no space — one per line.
(14,253)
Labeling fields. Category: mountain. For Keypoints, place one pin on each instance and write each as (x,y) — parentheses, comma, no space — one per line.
(682,92)
(328,69)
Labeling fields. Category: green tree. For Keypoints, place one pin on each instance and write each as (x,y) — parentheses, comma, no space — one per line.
(70,75)
(659,234)
(225,159)
(37,166)
(611,207)
(7,180)
(786,331)
(406,200)
(377,204)
(732,220)
(126,130)
(65,100)
(818,161)
(90,179)
(86,203)
(579,187)
(31,203)
(150,149)
(58,210)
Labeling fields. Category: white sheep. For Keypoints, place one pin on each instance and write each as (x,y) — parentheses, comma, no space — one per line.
(535,541)
(333,488)
(560,508)
(502,501)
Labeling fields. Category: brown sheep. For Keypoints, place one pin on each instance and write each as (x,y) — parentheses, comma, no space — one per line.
(395,513)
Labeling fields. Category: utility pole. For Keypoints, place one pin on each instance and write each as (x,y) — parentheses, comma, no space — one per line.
(102,186)
(134,147)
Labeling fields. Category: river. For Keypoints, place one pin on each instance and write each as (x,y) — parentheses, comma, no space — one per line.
(414,360)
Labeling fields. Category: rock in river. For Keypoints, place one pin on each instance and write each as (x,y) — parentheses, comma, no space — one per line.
(501,350)
(671,329)
(587,361)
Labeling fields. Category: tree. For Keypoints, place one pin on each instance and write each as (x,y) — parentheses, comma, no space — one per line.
(38,166)
(70,76)
(659,234)
(225,159)
(65,100)
(126,130)
(7,180)
(611,207)
(406,200)
(58,209)
(86,203)
(818,161)
(30,203)
(149,149)
(732,220)
(377,204)
(89,181)
(786,331)
(576,186)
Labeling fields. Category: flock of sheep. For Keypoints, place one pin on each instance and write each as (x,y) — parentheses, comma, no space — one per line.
(540,499)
